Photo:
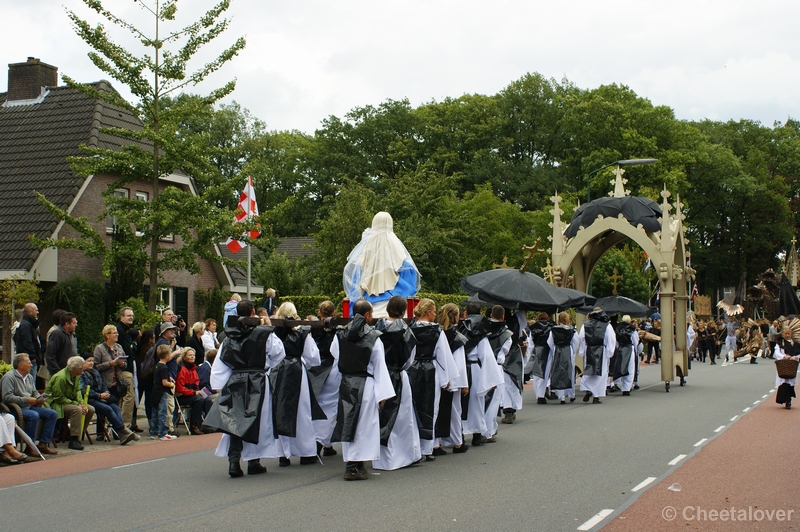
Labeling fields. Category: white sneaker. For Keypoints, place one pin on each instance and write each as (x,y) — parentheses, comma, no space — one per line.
(153,437)
(168,437)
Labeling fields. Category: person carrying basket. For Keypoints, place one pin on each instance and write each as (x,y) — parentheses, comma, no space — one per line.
(787,355)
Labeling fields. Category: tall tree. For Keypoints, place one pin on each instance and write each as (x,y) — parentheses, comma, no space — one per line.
(164,145)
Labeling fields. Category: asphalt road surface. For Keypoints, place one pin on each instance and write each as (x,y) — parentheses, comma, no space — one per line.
(554,469)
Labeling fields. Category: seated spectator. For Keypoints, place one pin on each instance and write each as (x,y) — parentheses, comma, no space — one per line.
(110,362)
(19,387)
(64,389)
(204,370)
(190,393)
(196,341)
(210,340)
(102,401)
(10,454)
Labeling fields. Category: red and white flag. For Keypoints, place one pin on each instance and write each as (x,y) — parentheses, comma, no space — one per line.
(695,292)
(248,208)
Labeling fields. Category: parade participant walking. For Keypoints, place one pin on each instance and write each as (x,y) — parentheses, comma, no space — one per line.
(628,348)
(786,348)
(483,373)
(598,343)
(564,345)
(293,404)
(243,410)
(430,372)
(364,388)
(540,372)
(325,380)
(513,369)
(448,430)
(399,432)
(500,340)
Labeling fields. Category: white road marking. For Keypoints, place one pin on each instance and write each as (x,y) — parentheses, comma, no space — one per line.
(746,409)
(764,396)
(677,459)
(719,428)
(756,402)
(643,483)
(734,418)
(138,463)
(588,525)
(21,485)
(701,442)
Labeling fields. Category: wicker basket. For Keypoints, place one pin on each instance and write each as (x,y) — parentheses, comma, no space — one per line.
(787,369)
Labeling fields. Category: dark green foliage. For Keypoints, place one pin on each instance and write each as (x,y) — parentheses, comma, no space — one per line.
(213,301)
(83,297)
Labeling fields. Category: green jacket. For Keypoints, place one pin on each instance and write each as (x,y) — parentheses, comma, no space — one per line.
(64,390)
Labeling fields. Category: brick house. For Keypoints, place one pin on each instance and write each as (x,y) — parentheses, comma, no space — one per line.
(41,124)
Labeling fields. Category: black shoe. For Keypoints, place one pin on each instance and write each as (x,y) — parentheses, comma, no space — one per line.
(234,470)
(753,361)
(789,404)
(355,471)
(458,450)
(284,462)
(75,445)
(135,428)
(254,467)
(430,458)
(614,388)
(571,399)
(328,451)
(438,451)
(541,401)
(308,460)
(626,394)
(635,386)
(596,401)
(478,440)
(713,363)
(587,397)
(552,396)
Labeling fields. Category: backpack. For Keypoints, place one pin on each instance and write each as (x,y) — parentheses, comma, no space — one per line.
(149,364)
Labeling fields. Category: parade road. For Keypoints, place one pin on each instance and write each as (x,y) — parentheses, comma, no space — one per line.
(558,467)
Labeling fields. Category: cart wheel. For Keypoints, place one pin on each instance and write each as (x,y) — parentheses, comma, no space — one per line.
(666,386)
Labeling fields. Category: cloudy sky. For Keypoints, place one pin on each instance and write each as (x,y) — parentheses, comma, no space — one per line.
(306,60)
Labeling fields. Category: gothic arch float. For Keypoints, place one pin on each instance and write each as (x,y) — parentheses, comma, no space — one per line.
(666,249)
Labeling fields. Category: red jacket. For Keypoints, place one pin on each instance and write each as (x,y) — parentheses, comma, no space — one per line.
(187,382)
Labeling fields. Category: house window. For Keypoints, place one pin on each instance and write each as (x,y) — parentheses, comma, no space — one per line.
(111,221)
(141,196)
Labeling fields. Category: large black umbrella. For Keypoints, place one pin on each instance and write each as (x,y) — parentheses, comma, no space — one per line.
(788,303)
(515,289)
(577,298)
(618,305)
(637,210)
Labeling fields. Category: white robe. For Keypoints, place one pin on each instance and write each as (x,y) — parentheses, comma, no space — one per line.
(485,376)
(626,383)
(540,384)
(446,369)
(779,354)
(457,383)
(574,346)
(267,444)
(500,394)
(305,441)
(597,383)
(366,445)
(403,447)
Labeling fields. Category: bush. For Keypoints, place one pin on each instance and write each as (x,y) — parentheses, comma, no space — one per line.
(86,299)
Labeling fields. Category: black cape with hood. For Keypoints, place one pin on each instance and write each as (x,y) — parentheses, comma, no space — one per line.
(398,342)
(622,354)
(422,375)
(540,331)
(237,410)
(594,332)
(562,365)
(474,328)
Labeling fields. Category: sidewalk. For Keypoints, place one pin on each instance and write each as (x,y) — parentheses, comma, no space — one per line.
(749,476)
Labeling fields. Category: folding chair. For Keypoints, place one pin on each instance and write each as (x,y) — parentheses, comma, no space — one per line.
(182,417)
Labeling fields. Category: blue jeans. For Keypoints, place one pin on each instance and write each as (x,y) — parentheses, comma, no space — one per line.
(32,415)
(159,425)
(111,412)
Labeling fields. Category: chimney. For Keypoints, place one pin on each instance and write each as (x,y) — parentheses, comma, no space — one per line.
(26,80)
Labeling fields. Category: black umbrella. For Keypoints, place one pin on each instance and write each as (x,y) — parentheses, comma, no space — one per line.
(577,298)
(788,303)
(618,305)
(637,210)
(515,289)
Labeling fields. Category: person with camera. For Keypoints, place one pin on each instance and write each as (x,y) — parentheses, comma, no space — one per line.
(110,361)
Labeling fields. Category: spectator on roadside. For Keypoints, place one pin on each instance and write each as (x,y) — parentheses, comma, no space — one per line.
(210,335)
(18,313)
(56,319)
(195,341)
(144,377)
(190,393)
(180,333)
(167,316)
(64,389)
(168,331)
(128,343)
(26,337)
(62,344)
(103,402)
(204,370)
(230,308)
(109,361)
(8,443)
(163,386)
(270,302)
(19,387)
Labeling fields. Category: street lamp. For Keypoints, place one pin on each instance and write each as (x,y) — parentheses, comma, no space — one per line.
(624,162)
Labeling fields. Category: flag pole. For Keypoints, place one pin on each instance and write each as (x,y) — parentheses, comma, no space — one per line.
(249,259)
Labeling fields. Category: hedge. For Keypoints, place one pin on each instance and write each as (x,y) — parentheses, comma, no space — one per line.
(307,305)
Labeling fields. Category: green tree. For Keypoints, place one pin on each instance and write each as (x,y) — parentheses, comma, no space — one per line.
(163,146)
(633,284)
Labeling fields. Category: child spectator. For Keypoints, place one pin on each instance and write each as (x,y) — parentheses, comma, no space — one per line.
(163,386)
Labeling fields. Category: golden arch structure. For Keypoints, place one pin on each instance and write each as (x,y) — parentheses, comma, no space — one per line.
(666,249)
